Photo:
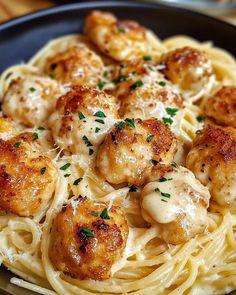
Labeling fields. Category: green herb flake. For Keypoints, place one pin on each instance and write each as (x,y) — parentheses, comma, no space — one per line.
(77,181)
(36,136)
(149,138)
(100,114)
(171,111)
(94,214)
(81,115)
(133,188)
(43,170)
(32,89)
(119,79)
(97,130)
(64,167)
(157,190)
(147,57)
(163,200)
(17,144)
(161,83)
(67,175)
(105,74)
(130,122)
(138,83)
(151,68)
(41,128)
(120,125)
(91,151)
(121,30)
(51,76)
(200,119)
(174,165)
(86,141)
(167,121)
(162,179)
(101,84)
(154,162)
(166,195)
(100,121)
(104,214)
(88,232)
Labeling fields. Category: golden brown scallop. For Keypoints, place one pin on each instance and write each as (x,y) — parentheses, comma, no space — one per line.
(144,92)
(87,238)
(27,177)
(213,160)
(178,204)
(77,65)
(189,68)
(30,100)
(120,40)
(82,118)
(222,106)
(133,149)
(7,127)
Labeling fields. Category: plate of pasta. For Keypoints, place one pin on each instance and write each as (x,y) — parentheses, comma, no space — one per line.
(118,152)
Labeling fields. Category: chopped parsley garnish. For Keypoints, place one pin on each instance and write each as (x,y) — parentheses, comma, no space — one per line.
(200,119)
(77,181)
(161,83)
(17,144)
(94,214)
(120,125)
(149,138)
(147,57)
(171,111)
(154,162)
(51,76)
(174,165)
(81,115)
(151,68)
(130,122)
(119,79)
(198,132)
(133,188)
(100,114)
(101,84)
(36,136)
(32,89)
(105,74)
(87,232)
(121,30)
(41,128)
(104,214)
(64,167)
(138,83)
(167,121)
(166,195)
(86,141)
(43,170)
(100,121)
(163,200)
(91,151)
(67,175)
(97,130)
(163,179)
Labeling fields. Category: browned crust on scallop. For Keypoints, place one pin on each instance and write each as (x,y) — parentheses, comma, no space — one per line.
(85,257)
(222,106)
(23,187)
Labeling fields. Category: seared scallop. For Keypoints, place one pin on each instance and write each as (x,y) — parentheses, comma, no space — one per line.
(77,65)
(87,238)
(178,204)
(213,160)
(189,68)
(30,100)
(120,40)
(144,92)
(222,106)
(82,118)
(27,177)
(133,149)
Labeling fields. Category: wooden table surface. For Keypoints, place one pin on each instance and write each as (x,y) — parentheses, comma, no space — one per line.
(12,8)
